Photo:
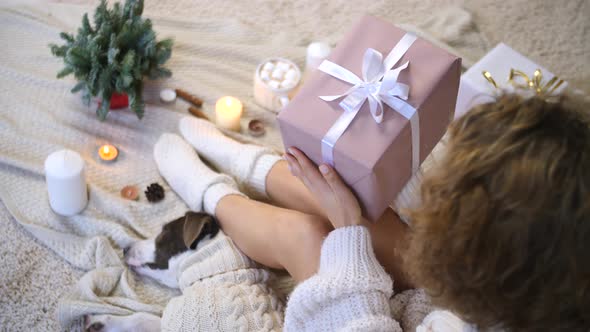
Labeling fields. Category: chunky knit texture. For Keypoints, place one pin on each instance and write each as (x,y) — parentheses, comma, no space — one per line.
(248,163)
(349,292)
(198,186)
(223,290)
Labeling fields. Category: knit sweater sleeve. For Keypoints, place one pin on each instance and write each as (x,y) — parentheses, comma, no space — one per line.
(350,292)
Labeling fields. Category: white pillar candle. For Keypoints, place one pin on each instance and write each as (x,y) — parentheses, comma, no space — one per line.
(66,183)
(228,112)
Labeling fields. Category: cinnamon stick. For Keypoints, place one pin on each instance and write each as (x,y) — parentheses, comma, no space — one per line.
(197,112)
(198,102)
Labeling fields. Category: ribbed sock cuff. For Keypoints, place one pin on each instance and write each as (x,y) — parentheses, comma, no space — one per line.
(215,193)
(256,183)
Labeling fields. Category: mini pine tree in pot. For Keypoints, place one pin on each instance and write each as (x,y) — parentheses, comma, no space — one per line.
(112,58)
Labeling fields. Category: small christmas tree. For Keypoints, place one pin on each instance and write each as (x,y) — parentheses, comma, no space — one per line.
(114,55)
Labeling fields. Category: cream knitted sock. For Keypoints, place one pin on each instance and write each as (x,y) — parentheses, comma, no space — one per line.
(248,163)
(193,181)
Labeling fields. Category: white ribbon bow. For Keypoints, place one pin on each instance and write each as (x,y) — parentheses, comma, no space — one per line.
(371,87)
(379,85)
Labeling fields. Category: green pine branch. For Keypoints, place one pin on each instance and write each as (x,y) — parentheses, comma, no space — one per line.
(114,55)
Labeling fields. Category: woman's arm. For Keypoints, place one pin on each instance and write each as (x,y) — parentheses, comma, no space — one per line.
(350,292)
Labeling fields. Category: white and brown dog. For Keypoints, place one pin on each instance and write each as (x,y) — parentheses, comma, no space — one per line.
(159,258)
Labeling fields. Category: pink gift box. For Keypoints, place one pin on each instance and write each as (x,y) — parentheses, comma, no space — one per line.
(375,159)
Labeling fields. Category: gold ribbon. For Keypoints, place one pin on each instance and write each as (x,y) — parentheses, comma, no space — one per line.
(521,80)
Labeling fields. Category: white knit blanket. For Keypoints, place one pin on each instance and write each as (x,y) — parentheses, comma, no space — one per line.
(38,115)
(217,47)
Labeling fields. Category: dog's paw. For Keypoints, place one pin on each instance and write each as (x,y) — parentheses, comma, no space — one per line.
(138,321)
(96,323)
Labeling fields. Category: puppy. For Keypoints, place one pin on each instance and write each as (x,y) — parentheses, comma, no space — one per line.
(159,258)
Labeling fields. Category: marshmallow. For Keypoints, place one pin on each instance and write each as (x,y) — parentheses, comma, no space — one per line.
(283,66)
(274,84)
(265,75)
(268,66)
(291,75)
(278,74)
(288,83)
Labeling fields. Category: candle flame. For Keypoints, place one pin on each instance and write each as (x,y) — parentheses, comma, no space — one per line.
(106,150)
(228,101)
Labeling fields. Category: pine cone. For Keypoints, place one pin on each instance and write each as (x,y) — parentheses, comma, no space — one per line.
(154,192)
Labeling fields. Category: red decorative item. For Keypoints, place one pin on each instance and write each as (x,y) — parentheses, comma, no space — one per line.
(119,100)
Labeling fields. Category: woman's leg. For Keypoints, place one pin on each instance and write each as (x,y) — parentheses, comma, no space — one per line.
(273,236)
(266,176)
(389,233)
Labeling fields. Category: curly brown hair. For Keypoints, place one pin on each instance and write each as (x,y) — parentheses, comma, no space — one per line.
(502,235)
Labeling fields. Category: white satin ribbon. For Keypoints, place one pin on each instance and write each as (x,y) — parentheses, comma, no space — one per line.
(379,85)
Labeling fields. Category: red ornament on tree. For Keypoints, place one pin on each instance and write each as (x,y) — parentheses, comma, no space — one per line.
(119,100)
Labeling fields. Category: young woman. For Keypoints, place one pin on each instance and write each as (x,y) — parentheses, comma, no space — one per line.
(500,238)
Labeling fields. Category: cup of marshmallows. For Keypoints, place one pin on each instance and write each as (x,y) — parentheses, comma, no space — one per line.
(275,82)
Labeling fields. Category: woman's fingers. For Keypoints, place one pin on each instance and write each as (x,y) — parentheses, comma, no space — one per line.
(322,178)
(339,188)
(332,178)
(309,172)
(296,169)
(346,201)
(293,165)
(308,168)
(301,158)
(339,203)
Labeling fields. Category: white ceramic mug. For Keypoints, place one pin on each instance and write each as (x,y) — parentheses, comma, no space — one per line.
(275,97)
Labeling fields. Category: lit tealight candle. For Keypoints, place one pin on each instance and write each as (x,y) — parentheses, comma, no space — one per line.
(108,152)
(228,112)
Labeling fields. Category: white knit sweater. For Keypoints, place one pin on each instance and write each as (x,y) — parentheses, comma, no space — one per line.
(351,291)
(223,290)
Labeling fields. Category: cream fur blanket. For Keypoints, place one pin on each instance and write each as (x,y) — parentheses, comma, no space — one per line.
(217,46)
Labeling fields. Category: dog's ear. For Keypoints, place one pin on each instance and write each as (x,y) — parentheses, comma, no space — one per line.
(195,227)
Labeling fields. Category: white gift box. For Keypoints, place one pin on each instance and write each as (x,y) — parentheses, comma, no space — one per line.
(474,89)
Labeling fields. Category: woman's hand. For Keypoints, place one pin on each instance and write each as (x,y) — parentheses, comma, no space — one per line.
(339,203)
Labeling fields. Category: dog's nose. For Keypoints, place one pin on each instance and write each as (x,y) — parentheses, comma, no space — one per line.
(125,251)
